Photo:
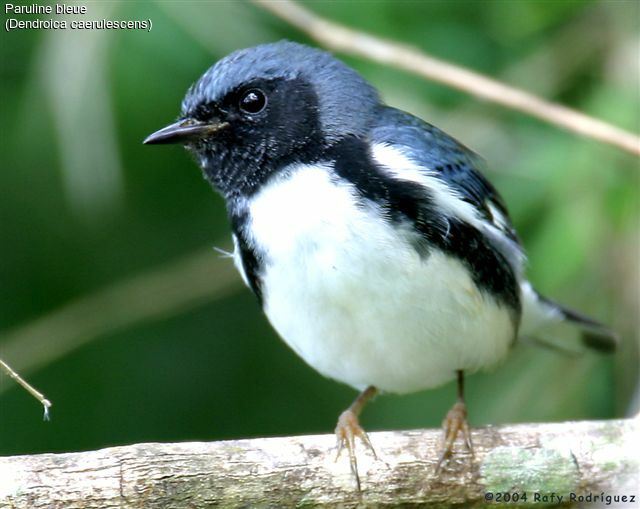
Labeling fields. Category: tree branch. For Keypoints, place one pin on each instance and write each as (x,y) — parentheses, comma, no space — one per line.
(341,38)
(561,458)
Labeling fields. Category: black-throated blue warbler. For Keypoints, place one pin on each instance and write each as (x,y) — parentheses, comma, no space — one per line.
(375,246)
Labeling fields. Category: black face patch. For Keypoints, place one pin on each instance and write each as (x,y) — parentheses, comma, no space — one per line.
(259,141)
(403,201)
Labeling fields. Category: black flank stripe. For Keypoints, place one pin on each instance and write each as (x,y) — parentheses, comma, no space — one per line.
(403,201)
(251,261)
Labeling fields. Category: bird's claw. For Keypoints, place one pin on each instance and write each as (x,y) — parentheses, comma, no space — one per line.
(453,424)
(347,430)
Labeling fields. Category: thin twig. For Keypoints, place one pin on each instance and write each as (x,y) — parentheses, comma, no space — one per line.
(341,38)
(28,387)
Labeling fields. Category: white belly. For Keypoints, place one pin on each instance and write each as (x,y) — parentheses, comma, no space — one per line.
(355,300)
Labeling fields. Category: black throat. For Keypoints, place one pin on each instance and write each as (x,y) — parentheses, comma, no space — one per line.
(242,158)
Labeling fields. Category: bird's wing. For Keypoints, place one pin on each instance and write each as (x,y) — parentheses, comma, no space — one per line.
(447,166)
(439,159)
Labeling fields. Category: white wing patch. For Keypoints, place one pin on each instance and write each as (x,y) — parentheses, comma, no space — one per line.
(451,202)
(401,167)
(499,221)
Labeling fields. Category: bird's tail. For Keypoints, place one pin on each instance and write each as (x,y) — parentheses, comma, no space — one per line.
(555,326)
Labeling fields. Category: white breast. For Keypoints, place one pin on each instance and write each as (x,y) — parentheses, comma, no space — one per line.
(348,292)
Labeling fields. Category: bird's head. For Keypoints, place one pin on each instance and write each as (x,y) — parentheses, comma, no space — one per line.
(259,109)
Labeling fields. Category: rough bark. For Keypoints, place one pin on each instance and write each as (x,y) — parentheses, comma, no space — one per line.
(591,458)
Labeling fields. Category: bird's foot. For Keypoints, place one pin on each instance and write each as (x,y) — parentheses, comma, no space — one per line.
(347,430)
(454,423)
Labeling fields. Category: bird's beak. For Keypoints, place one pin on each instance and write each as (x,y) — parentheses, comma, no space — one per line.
(184,131)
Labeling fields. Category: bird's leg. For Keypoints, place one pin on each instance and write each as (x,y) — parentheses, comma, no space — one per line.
(349,428)
(454,422)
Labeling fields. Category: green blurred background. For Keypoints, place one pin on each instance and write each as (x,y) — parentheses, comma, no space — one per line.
(115,305)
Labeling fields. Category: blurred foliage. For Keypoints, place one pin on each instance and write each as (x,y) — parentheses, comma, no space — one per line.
(85,205)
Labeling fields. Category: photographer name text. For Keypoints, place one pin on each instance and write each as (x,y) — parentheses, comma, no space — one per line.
(598,499)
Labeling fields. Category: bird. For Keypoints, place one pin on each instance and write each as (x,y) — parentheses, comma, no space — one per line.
(375,245)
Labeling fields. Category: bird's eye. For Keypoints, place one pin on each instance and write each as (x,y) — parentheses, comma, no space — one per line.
(253,101)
